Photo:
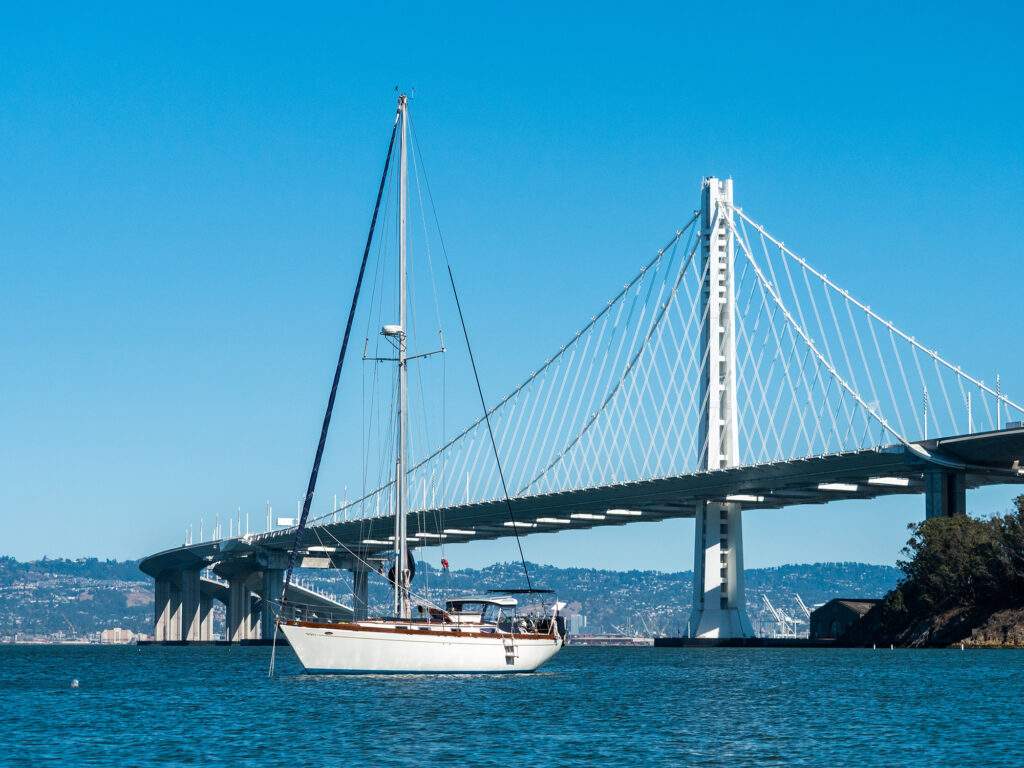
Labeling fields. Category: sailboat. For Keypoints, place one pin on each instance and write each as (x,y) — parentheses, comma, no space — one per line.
(485,633)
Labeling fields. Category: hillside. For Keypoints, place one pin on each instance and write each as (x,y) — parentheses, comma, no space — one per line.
(648,600)
(44,597)
(76,597)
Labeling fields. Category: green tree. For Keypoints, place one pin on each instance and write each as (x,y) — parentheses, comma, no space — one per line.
(952,561)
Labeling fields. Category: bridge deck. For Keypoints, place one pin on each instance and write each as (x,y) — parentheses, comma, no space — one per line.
(984,459)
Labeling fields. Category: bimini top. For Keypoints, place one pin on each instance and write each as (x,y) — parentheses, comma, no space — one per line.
(456,603)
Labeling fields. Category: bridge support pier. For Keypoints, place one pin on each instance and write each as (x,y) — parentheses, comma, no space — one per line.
(239,618)
(254,617)
(162,609)
(719,608)
(174,612)
(273,586)
(945,493)
(273,564)
(360,592)
(205,618)
(190,618)
(719,604)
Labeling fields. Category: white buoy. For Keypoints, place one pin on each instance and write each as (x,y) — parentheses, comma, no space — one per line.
(74,683)
(961,646)
(892,647)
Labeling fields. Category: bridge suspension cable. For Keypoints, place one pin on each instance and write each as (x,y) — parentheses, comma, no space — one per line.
(546,411)
(818,372)
(886,368)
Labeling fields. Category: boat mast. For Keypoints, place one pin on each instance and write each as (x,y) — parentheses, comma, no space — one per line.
(401,481)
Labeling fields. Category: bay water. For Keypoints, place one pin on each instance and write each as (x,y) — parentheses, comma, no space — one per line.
(178,706)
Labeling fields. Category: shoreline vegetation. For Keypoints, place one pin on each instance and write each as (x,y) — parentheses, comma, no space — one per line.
(963,583)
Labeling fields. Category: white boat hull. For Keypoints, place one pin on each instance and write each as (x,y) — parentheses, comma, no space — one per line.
(380,648)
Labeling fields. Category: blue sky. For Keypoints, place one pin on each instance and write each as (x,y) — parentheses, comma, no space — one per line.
(185,189)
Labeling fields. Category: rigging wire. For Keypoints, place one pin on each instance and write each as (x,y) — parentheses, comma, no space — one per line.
(372,570)
(308,499)
(490,432)
(476,376)
(376,287)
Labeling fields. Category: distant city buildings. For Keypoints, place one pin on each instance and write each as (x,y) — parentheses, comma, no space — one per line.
(115,636)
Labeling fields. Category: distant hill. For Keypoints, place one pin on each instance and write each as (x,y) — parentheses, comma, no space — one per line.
(651,601)
(43,597)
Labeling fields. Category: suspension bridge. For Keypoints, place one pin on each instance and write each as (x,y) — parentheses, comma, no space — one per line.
(727,374)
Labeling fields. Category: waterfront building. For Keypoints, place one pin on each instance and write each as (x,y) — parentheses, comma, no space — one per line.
(117,636)
(835,617)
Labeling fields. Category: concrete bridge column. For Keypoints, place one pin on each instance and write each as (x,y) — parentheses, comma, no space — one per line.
(255,613)
(719,603)
(190,618)
(161,609)
(205,618)
(360,592)
(273,563)
(174,612)
(273,586)
(945,493)
(239,613)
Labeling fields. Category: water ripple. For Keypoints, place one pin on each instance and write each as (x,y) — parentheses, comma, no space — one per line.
(589,706)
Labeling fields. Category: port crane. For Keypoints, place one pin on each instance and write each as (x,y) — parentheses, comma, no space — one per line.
(652,624)
(787,626)
(803,607)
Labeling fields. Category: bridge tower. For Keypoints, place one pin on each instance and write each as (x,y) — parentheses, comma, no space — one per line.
(719,606)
